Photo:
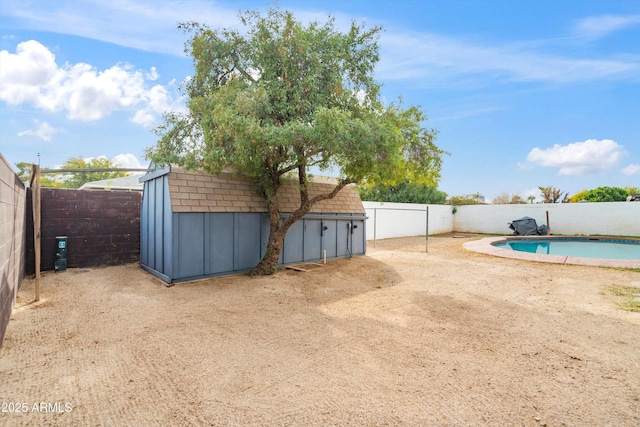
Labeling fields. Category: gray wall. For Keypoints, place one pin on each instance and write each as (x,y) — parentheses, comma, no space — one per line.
(12,240)
(156,228)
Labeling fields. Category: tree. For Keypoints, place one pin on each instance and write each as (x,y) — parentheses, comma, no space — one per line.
(553,195)
(603,194)
(508,199)
(77,179)
(403,192)
(73,179)
(464,199)
(578,196)
(24,173)
(283,97)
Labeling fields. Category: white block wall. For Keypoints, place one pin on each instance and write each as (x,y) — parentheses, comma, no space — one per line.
(387,220)
(608,218)
(403,219)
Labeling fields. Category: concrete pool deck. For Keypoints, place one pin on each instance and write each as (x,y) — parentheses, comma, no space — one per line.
(485,246)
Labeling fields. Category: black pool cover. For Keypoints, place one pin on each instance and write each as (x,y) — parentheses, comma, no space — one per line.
(527,227)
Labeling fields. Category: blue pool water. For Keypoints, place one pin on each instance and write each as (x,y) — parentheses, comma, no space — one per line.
(586,248)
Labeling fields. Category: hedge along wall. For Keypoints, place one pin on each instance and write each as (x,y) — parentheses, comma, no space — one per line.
(102,227)
(12,240)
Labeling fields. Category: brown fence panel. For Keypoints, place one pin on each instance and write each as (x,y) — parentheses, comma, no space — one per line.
(102,227)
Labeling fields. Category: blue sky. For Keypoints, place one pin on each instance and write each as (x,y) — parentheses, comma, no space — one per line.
(523,93)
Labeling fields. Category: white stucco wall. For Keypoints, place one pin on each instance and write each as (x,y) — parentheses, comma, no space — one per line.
(612,218)
(406,219)
(403,219)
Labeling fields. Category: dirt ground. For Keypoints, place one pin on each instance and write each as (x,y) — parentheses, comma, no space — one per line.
(397,337)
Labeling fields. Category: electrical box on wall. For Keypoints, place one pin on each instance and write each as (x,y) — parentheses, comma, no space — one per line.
(61,253)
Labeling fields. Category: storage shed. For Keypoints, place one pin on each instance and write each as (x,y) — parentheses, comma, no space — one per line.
(196,225)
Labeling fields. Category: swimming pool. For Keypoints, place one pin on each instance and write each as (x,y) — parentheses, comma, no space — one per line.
(578,247)
(540,250)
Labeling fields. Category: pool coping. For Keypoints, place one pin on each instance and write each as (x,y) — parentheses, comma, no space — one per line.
(485,246)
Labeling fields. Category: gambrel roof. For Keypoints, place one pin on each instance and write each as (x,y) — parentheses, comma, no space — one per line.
(192,191)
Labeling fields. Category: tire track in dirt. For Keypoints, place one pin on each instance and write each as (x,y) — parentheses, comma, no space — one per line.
(399,337)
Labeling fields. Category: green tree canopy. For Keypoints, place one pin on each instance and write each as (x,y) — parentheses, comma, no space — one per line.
(603,194)
(578,196)
(403,192)
(24,173)
(283,97)
(464,199)
(77,179)
(73,179)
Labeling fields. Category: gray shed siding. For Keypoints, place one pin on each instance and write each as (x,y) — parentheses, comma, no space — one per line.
(156,228)
(180,246)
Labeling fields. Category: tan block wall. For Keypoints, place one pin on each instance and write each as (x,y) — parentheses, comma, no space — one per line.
(12,240)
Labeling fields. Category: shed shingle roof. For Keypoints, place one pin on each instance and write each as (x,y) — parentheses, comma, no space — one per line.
(202,192)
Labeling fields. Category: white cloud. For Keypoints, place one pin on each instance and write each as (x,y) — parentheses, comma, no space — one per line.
(43,130)
(433,58)
(128,160)
(31,76)
(596,27)
(156,101)
(579,158)
(423,57)
(23,73)
(631,169)
(152,74)
(472,111)
(144,24)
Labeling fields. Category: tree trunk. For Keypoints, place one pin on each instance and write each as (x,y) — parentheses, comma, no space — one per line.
(269,263)
(277,230)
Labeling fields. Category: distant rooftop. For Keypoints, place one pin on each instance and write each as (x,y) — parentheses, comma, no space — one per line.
(126,183)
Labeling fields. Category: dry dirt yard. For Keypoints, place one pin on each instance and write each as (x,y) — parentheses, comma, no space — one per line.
(398,337)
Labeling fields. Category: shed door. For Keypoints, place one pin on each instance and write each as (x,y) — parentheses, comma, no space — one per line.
(357,244)
(342,238)
(293,243)
(312,245)
(220,246)
(330,237)
(248,232)
(190,244)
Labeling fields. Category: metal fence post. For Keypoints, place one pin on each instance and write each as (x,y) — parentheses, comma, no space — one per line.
(427,231)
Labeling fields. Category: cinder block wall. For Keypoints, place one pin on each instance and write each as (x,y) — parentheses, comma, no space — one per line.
(12,240)
(102,227)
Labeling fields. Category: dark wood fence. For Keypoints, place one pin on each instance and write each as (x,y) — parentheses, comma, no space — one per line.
(102,228)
